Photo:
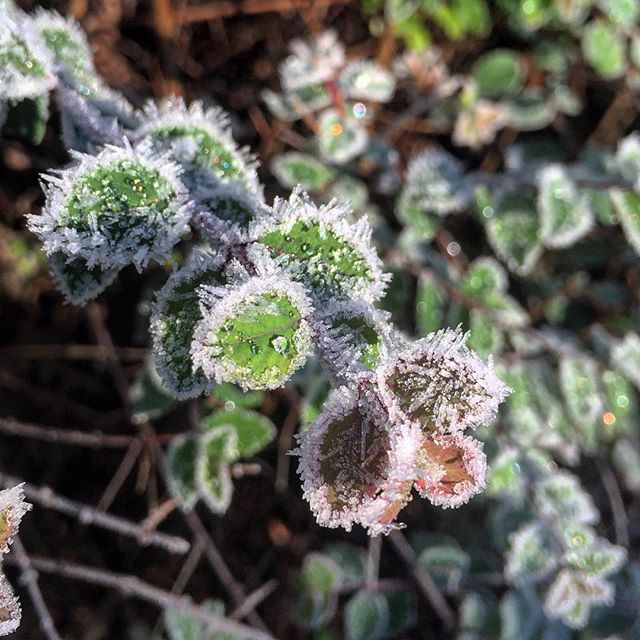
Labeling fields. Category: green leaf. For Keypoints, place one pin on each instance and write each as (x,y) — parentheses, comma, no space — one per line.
(294,168)
(529,111)
(625,356)
(447,564)
(351,560)
(316,593)
(624,13)
(484,336)
(322,250)
(505,476)
(366,616)
(625,457)
(532,555)
(254,335)
(498,73)
(148,397)
(183,626)
(402,607)
(176,314)
(621,405)
(215,450)
(367,80)
(78,282)
(603,48)
(232,396)
(181,470)
(514,233)
(431,301)
(627,207)
(521,615)
(561,498)
(340,138)
(254,431)
(27,119)
(565,214)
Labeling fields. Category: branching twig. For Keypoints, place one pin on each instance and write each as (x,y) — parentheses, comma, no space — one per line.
(92,440)
(29,578)
(87,515)
(425,582)
(131,586)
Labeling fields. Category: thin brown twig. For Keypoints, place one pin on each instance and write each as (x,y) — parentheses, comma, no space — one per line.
(130,586)
(121,474)
(423,580)
(87,515)
(29,578)
(72,437)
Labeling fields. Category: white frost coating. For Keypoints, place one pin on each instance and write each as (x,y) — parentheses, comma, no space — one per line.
(220,304)
(561,498)
(558,194)
(172,344)
(10,609)
(337,348)
(450,382)
(572,595)
(12,507)
(217,503)
(151,233)
(340,137)
(80,286)
(628,159)
(625,356)
(531,539)
(367,80)
(331,217)
(312,62)
(17,33)
(435,181)
(361,492)
(442,485)
(214,121)
(215,211)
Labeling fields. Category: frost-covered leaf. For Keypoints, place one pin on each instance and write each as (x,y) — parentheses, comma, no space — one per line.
(254,431)
(25,65)
(200,140)
(181,470)
(78,282)
(366,616)
(255,334)
(435,183)
(183,626)
(10,611)
(340,138)
(561,498)
(498,73)
(441,384)
(349,190)
(175,316)
(313,61)
(148,398)
(521,615)
(626,459)
(621,406)
(565,214)
(295,168)
(446,562)
(585,552)
(350,336)
(532,555)
(514,233)
(627,208)
(529,111)
(579,381)
(231,396)
(351,559)
(316,592)
(216,449)
(112,209)
(485,338)
(603,48)
(624,13)
(367,80)
(505,477)
(12,510)
(478,124)
(451,469)
(431,299)
(572,595)
(403,608)
(627,159)
(625,356)
(356,465)
(321,249)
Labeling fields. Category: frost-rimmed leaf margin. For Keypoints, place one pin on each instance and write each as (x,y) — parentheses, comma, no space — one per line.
(78,287)
(376,503)
(14,85)
(209,467)
(333,218)
(12,509)
(356,81)
(221,304)
(443,349)
(340,358)
(213,121)
(166,359)
(9,608)
(91,241)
